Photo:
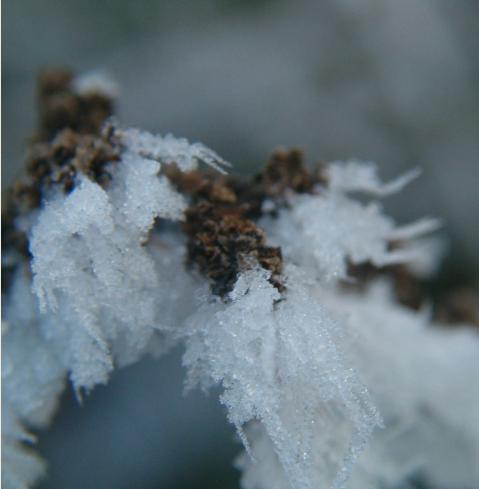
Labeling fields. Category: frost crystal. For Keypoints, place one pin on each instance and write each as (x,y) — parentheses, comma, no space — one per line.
(96,82)
(169,149)
(338,229)
(327,386)
(357,176)
(284,367)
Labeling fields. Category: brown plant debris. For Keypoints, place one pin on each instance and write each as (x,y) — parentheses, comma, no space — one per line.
(285,171)
(221,242)
(408,290)
(461,306)
(69,141)
(222,237)
(283,174)
(457,306)
(201,186)
(56,164)
(60,107)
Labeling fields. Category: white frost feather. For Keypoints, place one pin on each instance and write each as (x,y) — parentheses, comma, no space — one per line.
(169,149)
(304,374)
(357,176)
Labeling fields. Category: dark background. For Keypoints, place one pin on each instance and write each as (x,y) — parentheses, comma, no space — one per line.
(391,81)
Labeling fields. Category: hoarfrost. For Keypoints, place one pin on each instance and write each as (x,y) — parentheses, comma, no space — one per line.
(337,229)
(426,391)
(308,375)
(422,380)
(96,82)
(88,249)
(357,176)
(32,380)
(169,149)
(283,366)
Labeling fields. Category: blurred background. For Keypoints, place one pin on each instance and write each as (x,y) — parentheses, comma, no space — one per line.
(395,82)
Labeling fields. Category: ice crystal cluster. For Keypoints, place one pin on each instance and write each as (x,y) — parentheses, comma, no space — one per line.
(328,385)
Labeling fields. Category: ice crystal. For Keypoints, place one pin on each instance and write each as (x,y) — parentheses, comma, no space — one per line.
(358,176)
(90,244)
(326,387)
(283,366)
(169,149)
(338,229)
(96,82)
